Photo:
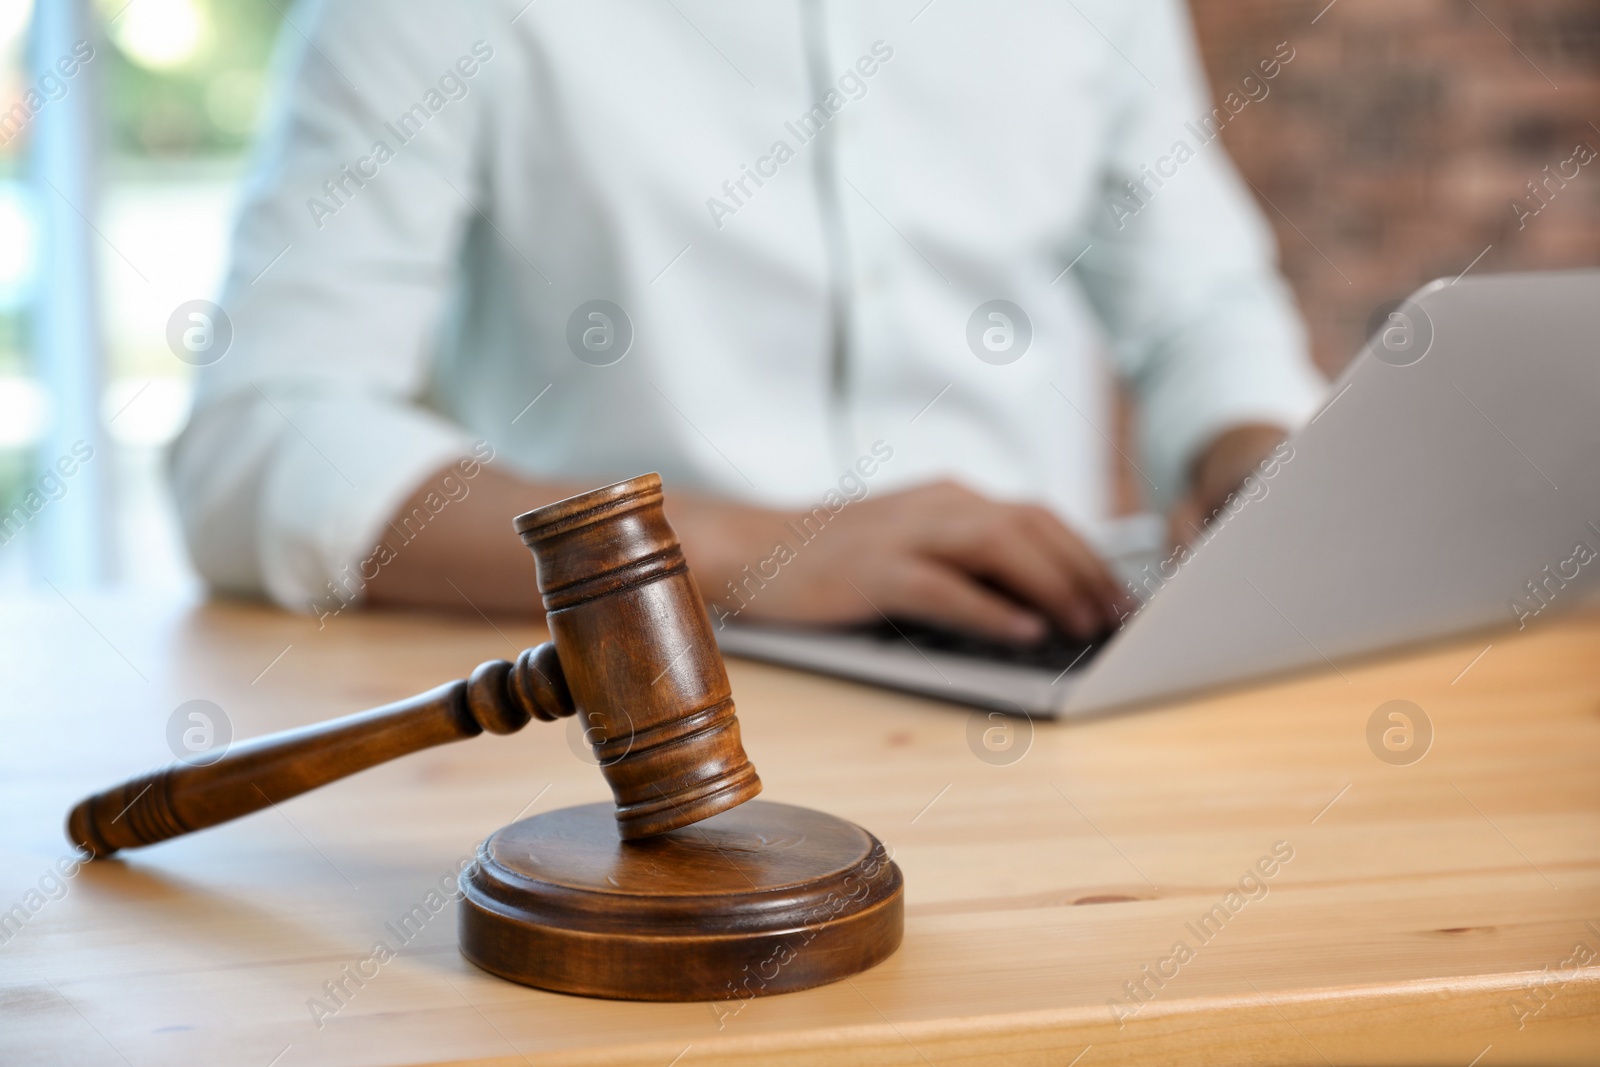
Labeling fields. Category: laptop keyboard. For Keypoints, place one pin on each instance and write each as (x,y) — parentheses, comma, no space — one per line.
(1057,652)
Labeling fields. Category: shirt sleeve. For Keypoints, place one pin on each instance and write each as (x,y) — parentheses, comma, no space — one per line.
(1181,265)
(306,434)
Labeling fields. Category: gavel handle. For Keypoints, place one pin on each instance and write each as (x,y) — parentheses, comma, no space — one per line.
(183,797)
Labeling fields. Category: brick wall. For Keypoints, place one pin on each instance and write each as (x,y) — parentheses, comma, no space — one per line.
(1394,143)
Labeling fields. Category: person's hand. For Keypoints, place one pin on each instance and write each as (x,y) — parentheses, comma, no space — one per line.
(939,553)
(1220,470)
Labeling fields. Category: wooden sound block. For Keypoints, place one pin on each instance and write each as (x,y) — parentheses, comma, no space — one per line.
(764,898)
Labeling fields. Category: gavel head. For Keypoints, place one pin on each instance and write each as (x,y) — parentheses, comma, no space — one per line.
(640,660)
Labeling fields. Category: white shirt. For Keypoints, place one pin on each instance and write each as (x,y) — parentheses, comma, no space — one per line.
(510,163)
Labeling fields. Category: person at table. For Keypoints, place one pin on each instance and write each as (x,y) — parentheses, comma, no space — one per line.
(763,249)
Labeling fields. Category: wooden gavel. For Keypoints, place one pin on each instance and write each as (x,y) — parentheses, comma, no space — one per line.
(631,649)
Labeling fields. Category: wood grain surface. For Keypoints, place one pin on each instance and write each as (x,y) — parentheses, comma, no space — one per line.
(1442,912)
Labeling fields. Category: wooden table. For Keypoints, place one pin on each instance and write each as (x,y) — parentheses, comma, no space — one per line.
(1445,912)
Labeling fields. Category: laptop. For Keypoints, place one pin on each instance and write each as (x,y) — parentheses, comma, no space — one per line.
(1450,483)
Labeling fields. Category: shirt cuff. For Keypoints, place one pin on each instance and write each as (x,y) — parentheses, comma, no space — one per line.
(343,467)
(1208,396)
